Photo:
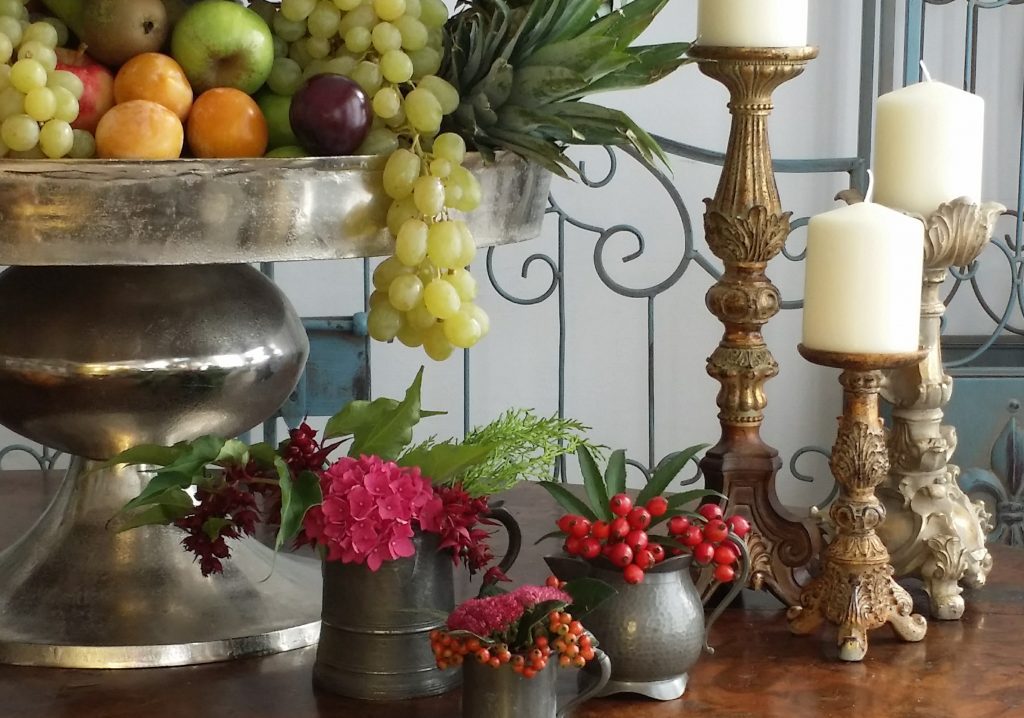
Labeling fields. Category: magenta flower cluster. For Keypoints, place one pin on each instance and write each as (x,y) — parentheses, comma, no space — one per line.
(370,510)
(494,615)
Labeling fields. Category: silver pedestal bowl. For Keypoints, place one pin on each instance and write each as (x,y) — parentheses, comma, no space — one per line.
(130,315)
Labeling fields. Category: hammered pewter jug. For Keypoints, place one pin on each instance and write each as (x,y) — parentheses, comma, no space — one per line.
(653,631)
(489,692)
(375,633)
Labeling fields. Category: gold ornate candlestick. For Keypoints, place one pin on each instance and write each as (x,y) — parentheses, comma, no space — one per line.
(745,228)
(855,590)
(934,531)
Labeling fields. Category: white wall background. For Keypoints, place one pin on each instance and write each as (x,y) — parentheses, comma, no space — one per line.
(816,116)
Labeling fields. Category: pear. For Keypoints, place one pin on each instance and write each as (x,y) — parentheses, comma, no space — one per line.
(115,31)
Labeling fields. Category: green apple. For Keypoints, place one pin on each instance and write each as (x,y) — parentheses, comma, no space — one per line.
(279,126)
(289,151)
(219,43)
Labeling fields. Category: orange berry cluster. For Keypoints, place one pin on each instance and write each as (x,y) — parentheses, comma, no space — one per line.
(451,651)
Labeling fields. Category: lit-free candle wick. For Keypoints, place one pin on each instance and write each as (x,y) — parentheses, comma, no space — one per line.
(869,194)
(924,72)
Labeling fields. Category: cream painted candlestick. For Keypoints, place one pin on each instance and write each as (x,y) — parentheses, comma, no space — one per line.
(934,531)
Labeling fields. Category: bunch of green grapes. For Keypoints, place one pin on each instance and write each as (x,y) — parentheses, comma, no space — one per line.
(38,102)
(424,293)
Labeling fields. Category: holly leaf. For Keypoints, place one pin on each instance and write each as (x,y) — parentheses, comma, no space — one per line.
(666,473)
(443,463)
(567,500)
(296,499)
(594,484)
(164,508)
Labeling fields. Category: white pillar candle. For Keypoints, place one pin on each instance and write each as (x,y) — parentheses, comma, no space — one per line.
(928,147)
(752,23)
(862,291)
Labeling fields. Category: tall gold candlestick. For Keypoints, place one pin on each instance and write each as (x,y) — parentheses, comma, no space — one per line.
(745,228)
(856,590)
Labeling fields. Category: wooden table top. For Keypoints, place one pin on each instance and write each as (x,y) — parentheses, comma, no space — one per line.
(972,667)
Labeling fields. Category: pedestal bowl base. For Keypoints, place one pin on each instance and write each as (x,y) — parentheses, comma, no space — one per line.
(75,594)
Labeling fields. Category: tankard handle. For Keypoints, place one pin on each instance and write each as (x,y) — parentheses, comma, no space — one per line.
(605,664)
(515,537)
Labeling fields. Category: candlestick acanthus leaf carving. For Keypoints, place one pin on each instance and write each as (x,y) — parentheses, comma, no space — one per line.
(859,458)
(957,232)
(756,236)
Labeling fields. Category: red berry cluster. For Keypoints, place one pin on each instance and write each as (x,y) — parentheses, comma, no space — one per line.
(709,541)
(563,636)
(623,540)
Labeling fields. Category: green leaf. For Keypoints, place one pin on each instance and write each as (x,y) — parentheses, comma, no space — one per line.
(533,86)
(153,454)
(213,526)
(358,415)
(576,54)
(652,64)
(233,452)
(296,499)
(580,15)
(594,484)
(666,473)
(443,463)
(681,499)
(387,437)
(163,509)
(567,500)
(615,473)
(199,454)
(160,483)
(587,594)
(533,617)
(627,23)
(263,453)
(549,535)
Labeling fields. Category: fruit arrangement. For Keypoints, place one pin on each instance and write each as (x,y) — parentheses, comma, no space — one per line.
(617,531)
(525,629)
(161,79)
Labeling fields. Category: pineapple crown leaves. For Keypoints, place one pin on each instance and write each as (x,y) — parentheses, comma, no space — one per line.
(522,68)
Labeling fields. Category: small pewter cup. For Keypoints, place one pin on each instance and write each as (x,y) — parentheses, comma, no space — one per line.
(489,692)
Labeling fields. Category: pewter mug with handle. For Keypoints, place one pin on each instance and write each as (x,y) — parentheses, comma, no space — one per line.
(489,692)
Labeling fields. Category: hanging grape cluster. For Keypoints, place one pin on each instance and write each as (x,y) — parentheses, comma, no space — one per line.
(423,294)
(38,102)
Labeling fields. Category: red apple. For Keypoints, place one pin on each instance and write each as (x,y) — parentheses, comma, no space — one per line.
(98,96)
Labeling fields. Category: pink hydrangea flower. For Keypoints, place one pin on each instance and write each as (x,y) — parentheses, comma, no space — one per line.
(368,511)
